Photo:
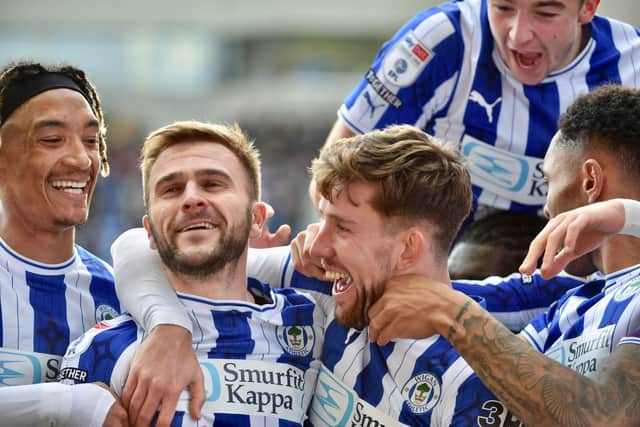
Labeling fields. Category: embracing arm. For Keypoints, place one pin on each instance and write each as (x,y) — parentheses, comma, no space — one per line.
(55,404)
(157,376)
(537,389)
(579,231)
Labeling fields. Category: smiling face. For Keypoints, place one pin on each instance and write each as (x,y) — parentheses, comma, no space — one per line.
(536,37)
(357,251)
(49,162)
(199,208)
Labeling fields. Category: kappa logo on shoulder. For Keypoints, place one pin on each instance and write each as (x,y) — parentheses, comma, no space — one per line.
(422,392)
(296,340)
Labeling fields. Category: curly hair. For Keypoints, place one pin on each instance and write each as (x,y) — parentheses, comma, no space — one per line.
(18,71)
(605,118)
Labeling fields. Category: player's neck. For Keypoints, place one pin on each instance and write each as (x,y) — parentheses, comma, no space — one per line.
(45,246)
(230,283)
(619,252)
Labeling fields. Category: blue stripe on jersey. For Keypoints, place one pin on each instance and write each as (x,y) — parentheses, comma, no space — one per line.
(229,420)
(512,294)
(368,385)
(471,397)
(234,333)
(300,281)
(175,422)
(605,48)
(544,101)
(100,357)
(300,311)
(488,83)
(50,328)
(334,344)
(101,288)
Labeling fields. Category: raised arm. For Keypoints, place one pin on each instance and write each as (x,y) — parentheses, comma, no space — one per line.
(579,231)
(157,376)
(539,390)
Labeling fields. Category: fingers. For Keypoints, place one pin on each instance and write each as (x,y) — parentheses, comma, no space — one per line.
(197,393)
(281,237)
(303,262)
(148,407)
(167,410)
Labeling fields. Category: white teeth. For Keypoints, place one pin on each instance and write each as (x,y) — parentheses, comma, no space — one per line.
(205,225)
(335,275)
(69,184)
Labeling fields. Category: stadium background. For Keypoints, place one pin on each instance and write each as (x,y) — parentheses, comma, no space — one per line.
(280,68)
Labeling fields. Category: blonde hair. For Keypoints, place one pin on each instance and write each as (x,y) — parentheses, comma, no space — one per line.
(419,178)
(230,136)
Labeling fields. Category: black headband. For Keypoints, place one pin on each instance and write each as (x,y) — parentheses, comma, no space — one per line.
(20,91)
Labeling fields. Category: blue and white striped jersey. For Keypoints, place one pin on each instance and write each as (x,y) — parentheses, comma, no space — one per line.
(442,73)
(260,362)
(413,382)
(585,326)
(44,307)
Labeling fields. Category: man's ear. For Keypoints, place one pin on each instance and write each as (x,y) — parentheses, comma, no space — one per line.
(147,226)
(588,11)
(258,219)
(414,244)
(592,180)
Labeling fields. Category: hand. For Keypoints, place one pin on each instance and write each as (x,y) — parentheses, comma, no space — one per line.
(572,234)
(164,365)
(117,415)
(411,306)
(268,239)
(302,260)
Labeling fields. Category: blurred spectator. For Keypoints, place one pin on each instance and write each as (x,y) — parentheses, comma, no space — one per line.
(494,245)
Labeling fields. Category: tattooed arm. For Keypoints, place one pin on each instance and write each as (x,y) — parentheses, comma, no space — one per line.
(539,390)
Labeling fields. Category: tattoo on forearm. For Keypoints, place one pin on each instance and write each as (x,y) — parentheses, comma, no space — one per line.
(539,390)
(454,328)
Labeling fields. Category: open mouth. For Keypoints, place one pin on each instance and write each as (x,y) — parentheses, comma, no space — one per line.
(71,187)
(341,281)
(527,60)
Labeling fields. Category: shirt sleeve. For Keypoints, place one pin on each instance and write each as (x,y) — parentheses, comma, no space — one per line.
(412,78)
(142,287)
(55,404)
(631,217)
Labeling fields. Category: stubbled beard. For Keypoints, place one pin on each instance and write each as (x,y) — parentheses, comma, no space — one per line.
(230,247)
(357,316)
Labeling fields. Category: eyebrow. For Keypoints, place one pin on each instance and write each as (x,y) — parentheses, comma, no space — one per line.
(42,124)
(199,174)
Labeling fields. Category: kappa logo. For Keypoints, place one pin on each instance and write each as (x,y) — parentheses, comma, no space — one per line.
(627,291)
(19,368)
(332,402)
(496,166)
(422,392)
(296,340)
(105,312)
(488,108)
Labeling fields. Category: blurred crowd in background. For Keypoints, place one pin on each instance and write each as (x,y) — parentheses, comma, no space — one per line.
(280,69)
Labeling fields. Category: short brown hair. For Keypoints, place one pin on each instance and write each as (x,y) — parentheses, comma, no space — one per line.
(420,178)
(230,136)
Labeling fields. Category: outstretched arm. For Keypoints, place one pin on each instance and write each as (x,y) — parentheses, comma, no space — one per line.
(157,376)
(579,231)
(539,390)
